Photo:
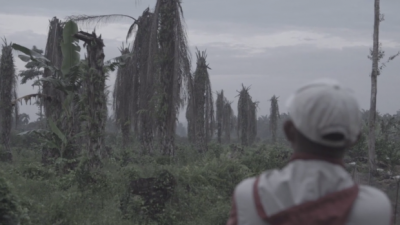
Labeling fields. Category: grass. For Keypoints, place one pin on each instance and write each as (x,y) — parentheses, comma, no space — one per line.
(40,195)
(205,183)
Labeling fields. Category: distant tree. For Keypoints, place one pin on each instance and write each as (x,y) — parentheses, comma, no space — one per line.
(225,118)
(220,105)
(23,119)
(247,118)
(274,117)
(201,107)
(8,92)
(228,120)
(253,122)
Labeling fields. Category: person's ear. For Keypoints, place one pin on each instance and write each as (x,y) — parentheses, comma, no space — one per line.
(290,131)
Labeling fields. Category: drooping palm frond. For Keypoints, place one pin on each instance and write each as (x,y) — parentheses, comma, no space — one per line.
(146,13)
(98,20)
(29,97)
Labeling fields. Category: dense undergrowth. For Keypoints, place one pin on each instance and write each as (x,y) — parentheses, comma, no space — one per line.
(37,194)
(205,182)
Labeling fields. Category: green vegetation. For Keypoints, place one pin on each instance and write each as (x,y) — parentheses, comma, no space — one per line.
(205,182)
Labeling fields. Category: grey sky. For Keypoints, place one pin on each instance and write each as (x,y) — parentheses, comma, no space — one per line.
(272,46)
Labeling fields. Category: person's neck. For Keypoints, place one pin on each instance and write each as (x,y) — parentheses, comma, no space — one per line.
(309,156)
(320,151)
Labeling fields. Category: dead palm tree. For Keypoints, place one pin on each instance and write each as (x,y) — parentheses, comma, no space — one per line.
(95,98)
(53,52)
(220,112)
(143,83)
(274,117)
(8,85)
(201,107)
(228,120)
(224,119)
(122,102)
(169,58)
(247,117)
(253,122)
(191,127)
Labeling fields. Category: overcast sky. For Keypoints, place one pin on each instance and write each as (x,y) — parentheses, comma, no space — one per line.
(271,45)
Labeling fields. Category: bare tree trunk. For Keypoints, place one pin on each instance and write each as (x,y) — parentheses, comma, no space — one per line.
(374,76)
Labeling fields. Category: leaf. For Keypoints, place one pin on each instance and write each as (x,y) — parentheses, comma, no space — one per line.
(69,47)
(33,55)
(29,75)
(42,62)
(24,58)
(57,131)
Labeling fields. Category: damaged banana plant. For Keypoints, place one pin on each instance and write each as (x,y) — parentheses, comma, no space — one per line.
(64,105)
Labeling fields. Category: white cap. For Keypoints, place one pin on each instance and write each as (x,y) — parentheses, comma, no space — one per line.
(324,107)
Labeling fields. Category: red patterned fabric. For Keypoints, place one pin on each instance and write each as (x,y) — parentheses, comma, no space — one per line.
(233,214)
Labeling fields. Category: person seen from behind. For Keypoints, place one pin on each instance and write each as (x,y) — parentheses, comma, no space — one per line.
(314,187)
